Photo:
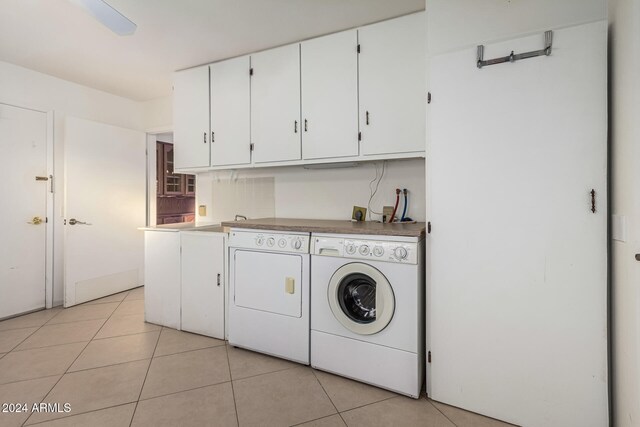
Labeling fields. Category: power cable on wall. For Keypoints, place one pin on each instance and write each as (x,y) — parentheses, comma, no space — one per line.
(372,191)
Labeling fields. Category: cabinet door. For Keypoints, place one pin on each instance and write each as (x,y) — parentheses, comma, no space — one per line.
(162,278)
(191,117)
(275,104)
(160,168)
(203,283)
(173,182)
(330,96)
(230,112)
(393,92)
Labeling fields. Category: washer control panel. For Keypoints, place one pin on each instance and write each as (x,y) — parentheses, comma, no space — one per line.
(270,241)
(380,250)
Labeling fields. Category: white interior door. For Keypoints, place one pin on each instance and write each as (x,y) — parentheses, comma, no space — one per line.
(329,68)
(230,112)
(517,296)
(23,136)
(275,104)
(105,187)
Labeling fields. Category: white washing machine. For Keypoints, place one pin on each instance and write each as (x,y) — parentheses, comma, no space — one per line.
(269,293)
(367,309)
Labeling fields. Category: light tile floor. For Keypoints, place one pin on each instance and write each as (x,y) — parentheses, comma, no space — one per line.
(116,370)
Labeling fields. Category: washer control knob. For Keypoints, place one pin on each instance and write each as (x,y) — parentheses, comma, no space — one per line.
(364,250)
(271,241)
(259,240)
(378,251)
(400,252)
(282,243)
(297,244)
(350,249)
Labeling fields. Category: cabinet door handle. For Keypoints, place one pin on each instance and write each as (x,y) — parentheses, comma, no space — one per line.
(205,138)
(212,137)
(305,125)
(218,279)
(366,117)
(295,126)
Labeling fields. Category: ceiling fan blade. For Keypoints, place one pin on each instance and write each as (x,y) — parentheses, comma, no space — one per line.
(108,16)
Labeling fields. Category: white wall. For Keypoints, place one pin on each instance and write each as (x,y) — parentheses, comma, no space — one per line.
(458,23)
(624,44)
(158,113)
(26,88)
(324,193)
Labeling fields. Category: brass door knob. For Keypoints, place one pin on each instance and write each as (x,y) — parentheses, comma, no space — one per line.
(35,221)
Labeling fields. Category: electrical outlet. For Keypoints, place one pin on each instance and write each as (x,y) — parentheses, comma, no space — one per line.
(387,211)
(359,213)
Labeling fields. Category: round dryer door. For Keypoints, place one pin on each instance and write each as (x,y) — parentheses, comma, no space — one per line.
(361,298)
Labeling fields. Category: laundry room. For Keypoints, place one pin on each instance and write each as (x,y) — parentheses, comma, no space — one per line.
(319,213)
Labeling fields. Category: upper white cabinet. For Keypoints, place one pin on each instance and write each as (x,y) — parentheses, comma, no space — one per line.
(349,96)
(230,112)
(330,96)
(275,105)
(191,118)
(393,93)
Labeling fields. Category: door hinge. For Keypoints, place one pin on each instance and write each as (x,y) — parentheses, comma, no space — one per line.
(251,71)
(429,357)
(429,227)
(593,200)
(359,136)
(428,97)
(250,147)
(358,47)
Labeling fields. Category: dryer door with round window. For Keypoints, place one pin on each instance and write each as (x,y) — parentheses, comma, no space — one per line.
(361,298)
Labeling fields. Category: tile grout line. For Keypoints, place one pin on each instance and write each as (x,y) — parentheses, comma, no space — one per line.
(313,371)
(372,403)
(233,391)
(74,360)
(443,414)
(187,351)
(16,350)
(145,377)
(27,337)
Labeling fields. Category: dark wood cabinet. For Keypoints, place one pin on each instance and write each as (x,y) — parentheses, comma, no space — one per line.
(175,192)
(169,183)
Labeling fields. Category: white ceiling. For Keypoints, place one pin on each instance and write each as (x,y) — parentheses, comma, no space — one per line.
(59,38)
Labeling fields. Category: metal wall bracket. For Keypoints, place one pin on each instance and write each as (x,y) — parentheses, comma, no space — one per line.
(548,41)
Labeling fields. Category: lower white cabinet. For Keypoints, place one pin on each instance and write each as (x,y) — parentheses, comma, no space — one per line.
(185,280)
(162,278)
(203,281)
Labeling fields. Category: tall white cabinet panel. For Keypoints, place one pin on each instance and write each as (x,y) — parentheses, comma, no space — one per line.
(330,96)
(203,283)
(518,330)
(275,104)
(393,92)
(191,118)
(230,112)
(162,278)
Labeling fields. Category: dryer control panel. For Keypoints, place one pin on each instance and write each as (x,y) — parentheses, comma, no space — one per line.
(269,241)
(379,250)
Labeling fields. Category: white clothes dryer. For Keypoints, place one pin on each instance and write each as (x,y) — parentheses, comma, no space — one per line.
(269,293)
(367,309)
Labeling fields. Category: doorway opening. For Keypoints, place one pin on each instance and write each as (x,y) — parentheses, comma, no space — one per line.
(175,192)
